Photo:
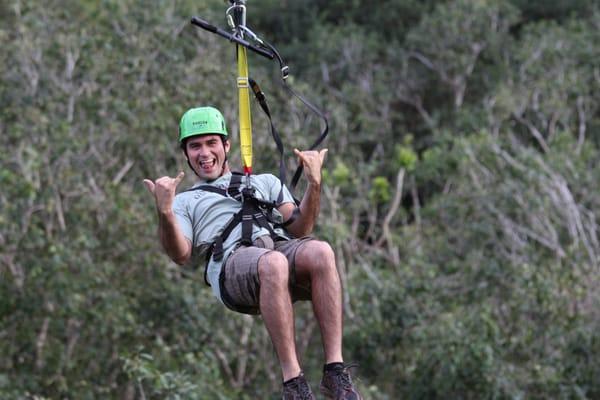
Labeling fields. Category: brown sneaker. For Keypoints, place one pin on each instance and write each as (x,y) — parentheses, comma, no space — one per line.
(297,389)
(337,384)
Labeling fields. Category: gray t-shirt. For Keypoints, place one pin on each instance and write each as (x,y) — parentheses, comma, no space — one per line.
(202,216)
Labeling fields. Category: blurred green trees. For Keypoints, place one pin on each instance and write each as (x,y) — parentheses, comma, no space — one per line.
(461,196)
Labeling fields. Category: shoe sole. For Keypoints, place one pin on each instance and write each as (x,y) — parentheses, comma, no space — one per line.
(325,392)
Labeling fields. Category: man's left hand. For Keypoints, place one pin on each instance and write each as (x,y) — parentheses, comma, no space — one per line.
(312,161)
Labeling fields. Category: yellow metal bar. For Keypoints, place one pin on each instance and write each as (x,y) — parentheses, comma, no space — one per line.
(244,109)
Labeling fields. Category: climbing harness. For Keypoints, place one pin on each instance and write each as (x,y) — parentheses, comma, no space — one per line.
(254,211)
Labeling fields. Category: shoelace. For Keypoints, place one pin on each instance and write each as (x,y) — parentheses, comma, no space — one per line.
(301,386)
(305,392)
(344,374)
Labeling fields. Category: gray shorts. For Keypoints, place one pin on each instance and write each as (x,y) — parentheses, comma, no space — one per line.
(239,282)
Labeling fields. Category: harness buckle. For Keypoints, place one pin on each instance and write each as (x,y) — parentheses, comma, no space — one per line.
(248,193)
(242,82)
(285,72)
(217,249)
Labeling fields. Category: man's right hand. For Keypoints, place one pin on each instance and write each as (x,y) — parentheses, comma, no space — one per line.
(164,190)
(176,245)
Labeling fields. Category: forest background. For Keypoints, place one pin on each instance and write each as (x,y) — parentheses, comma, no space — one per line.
(461,195)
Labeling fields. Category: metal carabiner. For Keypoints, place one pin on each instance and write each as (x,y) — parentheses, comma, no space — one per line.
(252,35)
(236,16)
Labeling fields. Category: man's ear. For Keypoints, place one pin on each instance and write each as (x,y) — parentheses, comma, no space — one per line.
(227,146)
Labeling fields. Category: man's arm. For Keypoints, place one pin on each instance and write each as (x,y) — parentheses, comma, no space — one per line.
(305,216)
(175,244)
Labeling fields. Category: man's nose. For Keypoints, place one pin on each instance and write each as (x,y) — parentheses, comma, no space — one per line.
(203,150)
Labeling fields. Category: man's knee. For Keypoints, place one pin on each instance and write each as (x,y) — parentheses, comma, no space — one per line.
(273,268)
(325,251)
(318,255)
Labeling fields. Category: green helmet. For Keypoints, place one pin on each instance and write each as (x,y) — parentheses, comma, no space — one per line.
(202,121)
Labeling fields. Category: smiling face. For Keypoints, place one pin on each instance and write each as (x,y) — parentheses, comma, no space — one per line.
(207,155)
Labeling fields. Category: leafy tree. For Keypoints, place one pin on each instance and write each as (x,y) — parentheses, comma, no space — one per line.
(460,196)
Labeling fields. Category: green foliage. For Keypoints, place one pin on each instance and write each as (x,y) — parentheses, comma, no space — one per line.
(555,10)
(142,367)
(406,157)
(460,195)
(380,190)
(341,174)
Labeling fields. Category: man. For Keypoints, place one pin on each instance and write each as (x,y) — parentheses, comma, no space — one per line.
(275,267)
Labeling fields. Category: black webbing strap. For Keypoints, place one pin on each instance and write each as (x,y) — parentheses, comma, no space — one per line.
(216,250)
(208,188)
(247,211)
(250,214)
(234,186)
(262,221)
(293,217)
(284,75)
(253,211)
(232,191)
(262,100)
(217,247)
(317,142)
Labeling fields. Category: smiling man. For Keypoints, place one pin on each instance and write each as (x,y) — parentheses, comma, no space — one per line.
(256,262)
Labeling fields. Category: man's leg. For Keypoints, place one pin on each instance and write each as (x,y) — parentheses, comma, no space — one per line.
(256,279)
(277,312)
(315,263)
